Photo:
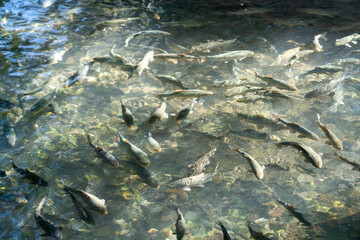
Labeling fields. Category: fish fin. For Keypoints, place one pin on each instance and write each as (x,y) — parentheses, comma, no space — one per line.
(201,185)
(179,90)
(301,136)
(102,201)
(348,45)
(307,160)
(250,171)
(186,189)
(328,142)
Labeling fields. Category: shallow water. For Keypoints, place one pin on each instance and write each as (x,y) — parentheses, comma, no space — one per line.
(54,144)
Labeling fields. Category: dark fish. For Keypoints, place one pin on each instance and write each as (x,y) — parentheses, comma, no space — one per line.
(333,139)
(254,135)
(206,47)
(43,102)
(201,163)
(48,227)
(293,212)
(2,173)
(282,84)
(328,68)
(256,235)
(117,60)
(127,115)
(159,114)
(139,156)
(255,166)
(6,104)
(185,93)
(79,75)
(108,157)
(93,202)
(308,152)
(324,89)
(83,213)
(261,120)
(183,113)
(171,80)
(27,174)
(304,132)
(345,160)
(152,13)
(225,233)
(146,175)
(180,225)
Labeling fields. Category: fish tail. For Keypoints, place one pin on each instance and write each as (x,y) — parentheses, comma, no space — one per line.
(89,141)
(112,53)
(318,119)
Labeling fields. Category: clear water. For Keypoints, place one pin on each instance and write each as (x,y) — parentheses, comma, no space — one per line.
(54,146)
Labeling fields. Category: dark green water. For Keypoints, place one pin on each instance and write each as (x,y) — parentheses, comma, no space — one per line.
(54,144)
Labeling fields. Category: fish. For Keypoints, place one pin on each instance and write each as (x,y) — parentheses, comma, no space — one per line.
(199,166)
(256,235)
(2,173)
(274,93)
(251,134)
(10,134)
(146,33)
(144,63)
(333,139)
(238,90)
(345,160)
(232,55)
(183,113)
(171,80)
(49,229)
(317,45)
(193,181)
(249,11)
(345,41)
(178,48)
(152,13)
(300,54)
(56,57)
(281,84)
(43,102)
(83,213)
(138,155)
(108,157)
(261,121)
(180,225)
(30,175)
(319,12)
(116,22)
(226,235)
(127,115)
(151,144)
(145,174)
(37,89)
(185,93)
(255,166)
(295,213)
(92,202)
(206,47)
(159,114)
(308,152)
(284,58)
(324,89)
(177,56)
(79,76)
(294,127)
(327,68)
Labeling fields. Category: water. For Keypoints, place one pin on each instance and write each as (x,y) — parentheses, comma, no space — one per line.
(54,145)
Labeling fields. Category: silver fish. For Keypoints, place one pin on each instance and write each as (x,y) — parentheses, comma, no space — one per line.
(284,58)
(232,55)
(171,80)
(93,202)
(316,42)
(139,156)
(193,181)
(308,152)
(151,144)
(159,114)
(294,127)
(276,82)
(201,163)
(206,47)
(255,166)
(56,57)
(146,33)
(345,41)
(185,93)
(333,139)
(324,89)
(116,22)
(144,63)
